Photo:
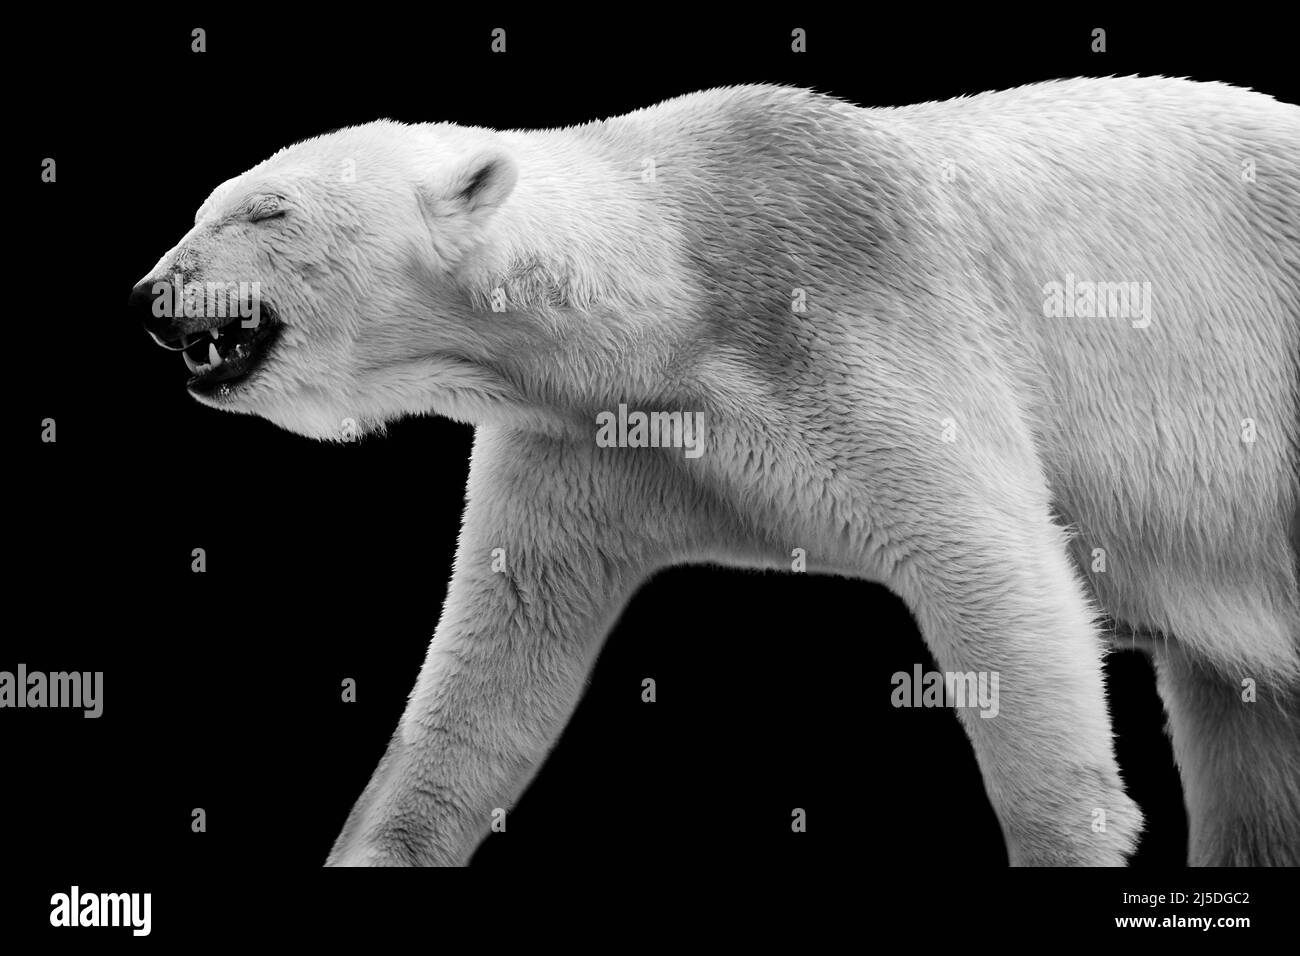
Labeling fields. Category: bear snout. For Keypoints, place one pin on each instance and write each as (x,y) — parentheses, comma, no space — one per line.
(158,322)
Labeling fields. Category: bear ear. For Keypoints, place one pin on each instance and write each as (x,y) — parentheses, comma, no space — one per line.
(475,187)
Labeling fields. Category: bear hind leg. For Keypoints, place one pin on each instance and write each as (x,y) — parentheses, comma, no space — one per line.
(1239,760)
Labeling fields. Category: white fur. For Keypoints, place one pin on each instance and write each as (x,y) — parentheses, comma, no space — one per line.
(826,428)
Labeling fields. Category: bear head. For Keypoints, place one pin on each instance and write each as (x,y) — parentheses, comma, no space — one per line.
(323,290)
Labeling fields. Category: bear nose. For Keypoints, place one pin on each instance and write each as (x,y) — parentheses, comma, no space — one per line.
(158,322)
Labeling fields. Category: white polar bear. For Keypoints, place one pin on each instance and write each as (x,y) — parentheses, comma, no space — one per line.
(939,347)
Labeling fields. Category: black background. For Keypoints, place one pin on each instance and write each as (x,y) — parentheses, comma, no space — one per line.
(222,690)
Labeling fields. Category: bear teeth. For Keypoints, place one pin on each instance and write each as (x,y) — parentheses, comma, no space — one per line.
(202,368)
(224,353)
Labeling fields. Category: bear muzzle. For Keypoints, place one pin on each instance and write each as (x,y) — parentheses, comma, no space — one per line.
(223,338)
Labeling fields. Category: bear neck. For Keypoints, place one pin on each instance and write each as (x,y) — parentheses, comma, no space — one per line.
(580,232)
(584,249)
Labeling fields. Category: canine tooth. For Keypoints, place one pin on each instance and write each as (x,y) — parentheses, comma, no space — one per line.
(192,365)
(214,357)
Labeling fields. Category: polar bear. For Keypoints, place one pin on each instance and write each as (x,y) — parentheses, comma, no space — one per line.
(1031,359)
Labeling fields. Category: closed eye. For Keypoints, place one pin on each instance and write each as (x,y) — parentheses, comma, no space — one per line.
(267,207)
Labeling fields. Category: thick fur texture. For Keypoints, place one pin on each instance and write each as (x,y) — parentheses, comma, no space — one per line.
(926,421)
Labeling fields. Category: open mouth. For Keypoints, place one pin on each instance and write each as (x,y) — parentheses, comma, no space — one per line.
(228,354)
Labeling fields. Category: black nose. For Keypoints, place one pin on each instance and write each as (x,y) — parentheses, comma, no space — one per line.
(151,301)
